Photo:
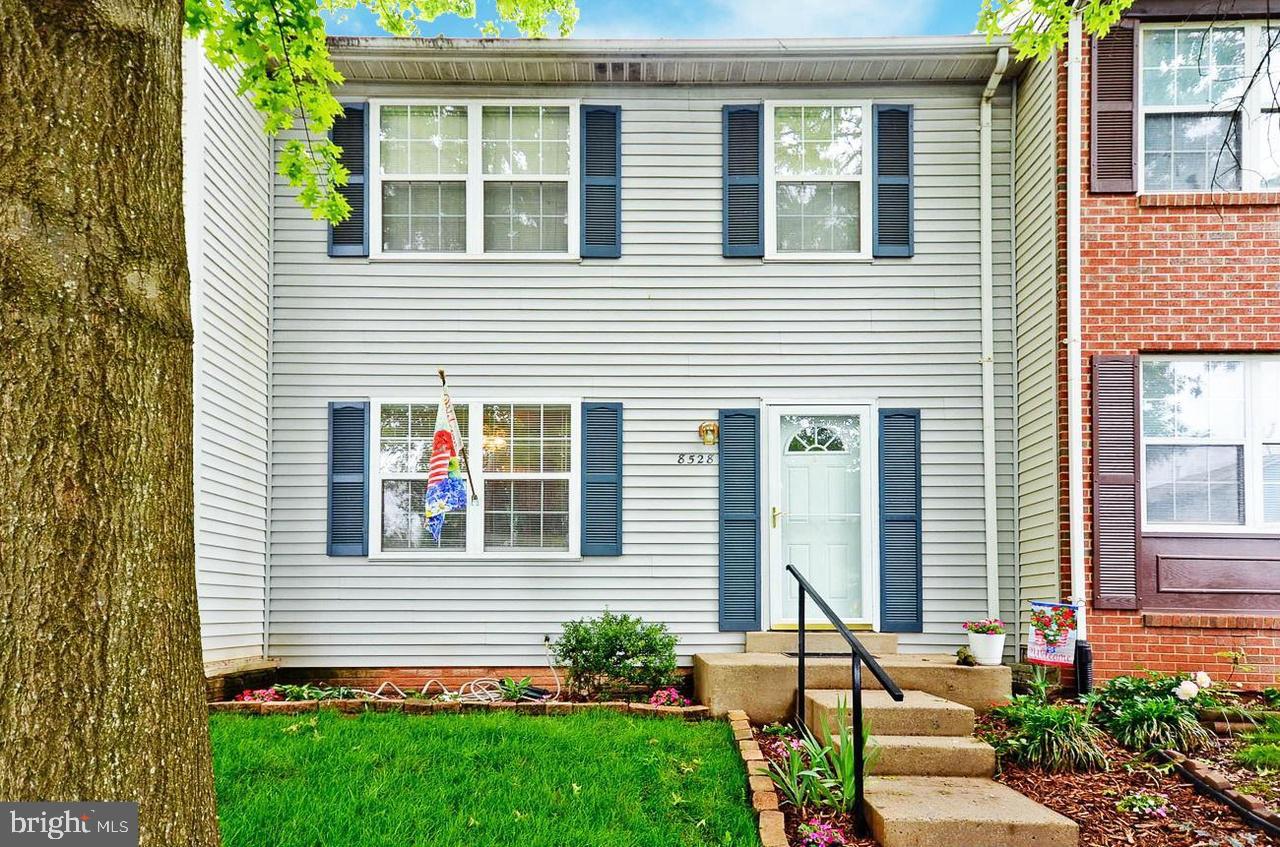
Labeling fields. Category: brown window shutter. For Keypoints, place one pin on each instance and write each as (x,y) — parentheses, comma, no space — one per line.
(1113,156)
(1115,482)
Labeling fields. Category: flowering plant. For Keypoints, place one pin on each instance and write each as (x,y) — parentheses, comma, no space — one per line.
(986,626)
(819,833)
(1145,804)
(259,695)
(1053,624)
(668,697)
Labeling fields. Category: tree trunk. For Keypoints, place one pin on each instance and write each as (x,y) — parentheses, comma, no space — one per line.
(101,687)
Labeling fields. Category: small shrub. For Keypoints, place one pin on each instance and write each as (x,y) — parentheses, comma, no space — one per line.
(1159,723)
(965,657)
(1145,804)
(515,689)
(1051,737)
(616,654)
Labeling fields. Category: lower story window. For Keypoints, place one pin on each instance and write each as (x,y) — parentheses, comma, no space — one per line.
(521,457)
(1211,442)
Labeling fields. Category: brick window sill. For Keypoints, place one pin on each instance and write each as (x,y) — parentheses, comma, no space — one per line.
(1202,620)
(1212,198)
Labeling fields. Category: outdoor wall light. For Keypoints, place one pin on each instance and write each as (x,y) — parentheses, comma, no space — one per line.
(709,433)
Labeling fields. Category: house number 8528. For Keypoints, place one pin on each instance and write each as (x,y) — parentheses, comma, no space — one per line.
(695,458)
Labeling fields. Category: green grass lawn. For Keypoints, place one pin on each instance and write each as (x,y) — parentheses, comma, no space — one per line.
(594,779)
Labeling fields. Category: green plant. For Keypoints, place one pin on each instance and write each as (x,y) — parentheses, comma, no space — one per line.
(1038,684)
(964,656)
(310,691)
(1144,803)
(1271,696)
(795,779)
(515,689)
(986,626)
(1259,757)
(780,730)
(824,775)
(616,654)
(1052,737)
(1162,723)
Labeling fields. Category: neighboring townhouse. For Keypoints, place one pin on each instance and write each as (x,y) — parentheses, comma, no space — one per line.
(706,309)
(1172,529)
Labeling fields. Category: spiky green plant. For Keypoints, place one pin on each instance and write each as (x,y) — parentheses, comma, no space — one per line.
(1161,723)
(1052,737)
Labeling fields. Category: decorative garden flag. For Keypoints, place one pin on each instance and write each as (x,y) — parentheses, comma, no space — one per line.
(446,492)
(1051,639)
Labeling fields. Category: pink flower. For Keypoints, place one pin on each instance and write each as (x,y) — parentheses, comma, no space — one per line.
(668,697)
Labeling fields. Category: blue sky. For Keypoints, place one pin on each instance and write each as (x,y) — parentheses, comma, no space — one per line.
(724,19)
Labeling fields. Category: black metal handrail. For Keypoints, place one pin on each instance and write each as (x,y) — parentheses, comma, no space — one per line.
(860,655)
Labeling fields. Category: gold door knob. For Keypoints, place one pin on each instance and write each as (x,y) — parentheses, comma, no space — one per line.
(774,514)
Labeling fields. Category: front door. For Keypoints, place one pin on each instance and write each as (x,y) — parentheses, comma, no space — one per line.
(818,515)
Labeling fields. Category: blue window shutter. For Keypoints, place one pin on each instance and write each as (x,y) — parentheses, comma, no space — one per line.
(739,520)
(349,479)
(602,479)
(351,132)
(601,182)
(892,204)
(743,181)
(901,543)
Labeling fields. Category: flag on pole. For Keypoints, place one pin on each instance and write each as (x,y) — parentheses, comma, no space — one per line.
(446,492)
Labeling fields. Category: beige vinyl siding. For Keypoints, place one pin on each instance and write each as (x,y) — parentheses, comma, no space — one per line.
(1036,205)
(673,331)
(228,208)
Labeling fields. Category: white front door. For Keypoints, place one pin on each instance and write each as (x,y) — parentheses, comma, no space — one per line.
(818,514)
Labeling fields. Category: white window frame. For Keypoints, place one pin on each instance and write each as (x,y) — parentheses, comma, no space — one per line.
(474,436)
(1251,440)
(771,181)
(475,178)
(1253,130)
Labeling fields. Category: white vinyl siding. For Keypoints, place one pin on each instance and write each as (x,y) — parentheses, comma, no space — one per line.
(1035,205)
(227,166)
(675,332)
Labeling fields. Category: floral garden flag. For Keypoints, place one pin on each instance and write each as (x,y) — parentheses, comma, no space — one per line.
(1051,639)
(446,492)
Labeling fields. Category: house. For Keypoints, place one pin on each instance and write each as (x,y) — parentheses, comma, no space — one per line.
(705,307)
(1167,332)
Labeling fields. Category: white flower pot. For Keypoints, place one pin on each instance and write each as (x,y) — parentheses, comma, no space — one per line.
(986,648)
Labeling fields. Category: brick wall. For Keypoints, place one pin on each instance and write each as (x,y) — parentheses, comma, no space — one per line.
(1160,274)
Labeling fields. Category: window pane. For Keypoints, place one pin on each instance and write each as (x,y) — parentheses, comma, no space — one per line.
(1269,145)
(1191,153)
(422,140)
(1266,399)
(526,217)
(817,140)
(1271,483)
(428,217)
(1194,484)
(404,526)
(1191,398)
(1183,67)
(527,514)
(525,140)
(819,217)
(406,431)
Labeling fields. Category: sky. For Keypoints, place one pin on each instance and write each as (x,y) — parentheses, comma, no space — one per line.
(721,19)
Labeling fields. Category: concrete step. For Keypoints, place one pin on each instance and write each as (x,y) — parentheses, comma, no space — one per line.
(782,641)
(764,684)
(931,755)
(919,713)
(917,811)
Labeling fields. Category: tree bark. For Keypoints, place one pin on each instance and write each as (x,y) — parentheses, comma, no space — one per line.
(101,686)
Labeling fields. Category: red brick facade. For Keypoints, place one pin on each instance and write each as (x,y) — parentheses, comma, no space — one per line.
(1159,274)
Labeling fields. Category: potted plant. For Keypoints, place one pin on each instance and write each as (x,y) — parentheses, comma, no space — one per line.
(986,640)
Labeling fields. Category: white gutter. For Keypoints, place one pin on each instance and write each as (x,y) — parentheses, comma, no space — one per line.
(1075,415)
(987,273)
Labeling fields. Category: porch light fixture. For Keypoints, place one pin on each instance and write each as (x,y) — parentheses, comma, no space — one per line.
(709,433)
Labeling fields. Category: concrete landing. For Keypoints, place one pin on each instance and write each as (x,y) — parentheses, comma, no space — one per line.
(781,641)
(914,811)
(764,684)
(919,713)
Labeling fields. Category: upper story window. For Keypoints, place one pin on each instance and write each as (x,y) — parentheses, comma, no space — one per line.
(1204,127)
(1211,443)
(817,201)
(474,178)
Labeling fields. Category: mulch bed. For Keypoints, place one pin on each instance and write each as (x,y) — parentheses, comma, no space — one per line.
(775,750)
(1193,820)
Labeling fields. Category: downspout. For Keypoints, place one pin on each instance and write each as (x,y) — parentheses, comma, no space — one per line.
(1075,415)
(1017,369)
(987,280)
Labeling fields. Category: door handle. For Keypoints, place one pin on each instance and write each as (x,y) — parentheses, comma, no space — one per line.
(774,514)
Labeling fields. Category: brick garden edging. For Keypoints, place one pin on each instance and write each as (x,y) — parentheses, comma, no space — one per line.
(764,798)
(426,707)
(1210,781)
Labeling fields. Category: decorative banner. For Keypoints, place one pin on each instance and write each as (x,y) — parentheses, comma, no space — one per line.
(1051,639)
